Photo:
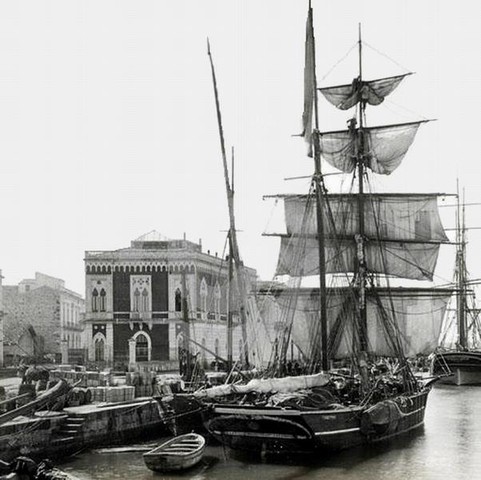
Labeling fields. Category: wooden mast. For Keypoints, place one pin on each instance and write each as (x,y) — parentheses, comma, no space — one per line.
(461,274)
(233,246)
(319,187)
(230,323)
(360,237)
(185,317)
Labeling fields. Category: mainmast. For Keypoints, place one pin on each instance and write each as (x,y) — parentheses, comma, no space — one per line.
(461,274)
(361,273)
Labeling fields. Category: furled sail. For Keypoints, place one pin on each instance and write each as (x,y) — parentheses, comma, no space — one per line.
(384,147)
(419,315)
(402,235)
(373,92)
(309,84)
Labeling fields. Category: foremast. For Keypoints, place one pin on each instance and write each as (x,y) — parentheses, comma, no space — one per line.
(311,102)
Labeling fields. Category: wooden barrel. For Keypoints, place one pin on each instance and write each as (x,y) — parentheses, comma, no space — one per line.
(88,395)
(81,396)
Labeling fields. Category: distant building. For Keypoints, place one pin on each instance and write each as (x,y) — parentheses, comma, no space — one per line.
(134,300)
(42,321)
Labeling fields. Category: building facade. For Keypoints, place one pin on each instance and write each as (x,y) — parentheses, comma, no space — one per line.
(135,298)
(43,321)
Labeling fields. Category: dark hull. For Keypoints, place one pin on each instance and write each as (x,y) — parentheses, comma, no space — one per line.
(182,413)
(279,431)
(463,368)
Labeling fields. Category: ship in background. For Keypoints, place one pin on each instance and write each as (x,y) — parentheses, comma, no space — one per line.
(458,359)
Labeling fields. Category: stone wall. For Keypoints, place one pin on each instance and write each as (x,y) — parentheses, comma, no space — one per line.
(34,314)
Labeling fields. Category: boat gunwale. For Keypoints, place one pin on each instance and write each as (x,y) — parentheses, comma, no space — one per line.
(161,449)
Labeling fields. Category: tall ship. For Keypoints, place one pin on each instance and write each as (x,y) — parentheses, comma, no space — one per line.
(356,329)
(458,358)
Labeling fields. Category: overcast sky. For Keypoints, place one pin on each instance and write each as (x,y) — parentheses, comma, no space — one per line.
(108,126)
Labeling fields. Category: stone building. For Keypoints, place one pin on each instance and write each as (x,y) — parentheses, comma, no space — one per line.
(134,299)
(42,321)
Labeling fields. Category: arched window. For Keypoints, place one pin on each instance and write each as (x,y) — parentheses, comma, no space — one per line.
(178,300)
(141,348)
(145,300)
(136,300)
(203,297)
(217,296)
(95,295)
(102,300)
(99,349)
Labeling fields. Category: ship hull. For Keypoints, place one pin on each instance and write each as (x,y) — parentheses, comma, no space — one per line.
(279,431)
(458,368)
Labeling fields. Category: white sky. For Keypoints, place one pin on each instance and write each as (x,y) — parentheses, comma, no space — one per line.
(108,126)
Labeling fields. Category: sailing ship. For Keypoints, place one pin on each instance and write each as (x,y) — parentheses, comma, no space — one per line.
(460,365)
(356,384)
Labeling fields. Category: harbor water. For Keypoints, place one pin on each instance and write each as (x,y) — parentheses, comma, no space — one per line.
(448,446)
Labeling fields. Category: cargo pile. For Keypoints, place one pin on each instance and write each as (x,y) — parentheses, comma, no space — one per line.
(87,379)
(122,393)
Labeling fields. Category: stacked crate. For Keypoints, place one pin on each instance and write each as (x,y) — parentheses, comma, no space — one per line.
(87,379)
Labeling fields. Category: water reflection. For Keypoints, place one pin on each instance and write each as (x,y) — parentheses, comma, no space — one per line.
(449,446)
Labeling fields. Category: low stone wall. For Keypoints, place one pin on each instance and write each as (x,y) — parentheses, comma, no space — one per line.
(118,423)
(29,436)
(44,434)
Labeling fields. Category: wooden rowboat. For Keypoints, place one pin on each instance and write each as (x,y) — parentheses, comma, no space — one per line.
(179,453)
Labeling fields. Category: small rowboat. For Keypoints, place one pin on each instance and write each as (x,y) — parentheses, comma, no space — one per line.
(179,453)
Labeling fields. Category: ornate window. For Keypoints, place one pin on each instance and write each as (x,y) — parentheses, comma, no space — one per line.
(103,294)
(140,293)
(141,348)
(136,307)
(95,295)
(178,300)
(99,349)
(217,297)
(203,297)
(145,300)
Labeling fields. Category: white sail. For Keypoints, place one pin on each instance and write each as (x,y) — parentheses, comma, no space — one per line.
(419,314)
(384,147)
(408,217)
(300,257)
(373,91)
